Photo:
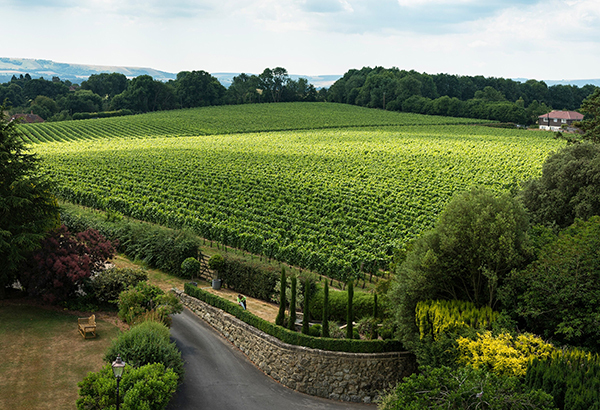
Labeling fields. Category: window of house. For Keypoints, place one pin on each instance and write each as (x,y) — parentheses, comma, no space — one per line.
(555,119)
(563,121)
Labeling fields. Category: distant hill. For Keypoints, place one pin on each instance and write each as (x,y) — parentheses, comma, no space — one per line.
(76,73)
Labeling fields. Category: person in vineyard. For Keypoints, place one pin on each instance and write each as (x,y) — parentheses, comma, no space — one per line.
(242,301)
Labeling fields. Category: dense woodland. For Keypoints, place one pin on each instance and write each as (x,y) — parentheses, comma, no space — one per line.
(491,98)
(495,99)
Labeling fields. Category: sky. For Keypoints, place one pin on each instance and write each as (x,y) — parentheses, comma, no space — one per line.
(541,39)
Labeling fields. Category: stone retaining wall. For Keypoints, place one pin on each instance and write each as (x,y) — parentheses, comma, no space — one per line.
(356,377)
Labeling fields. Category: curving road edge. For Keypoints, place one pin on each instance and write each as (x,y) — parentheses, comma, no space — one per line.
(219,376)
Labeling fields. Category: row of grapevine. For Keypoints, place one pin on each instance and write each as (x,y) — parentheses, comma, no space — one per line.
(228,120)
(334,201)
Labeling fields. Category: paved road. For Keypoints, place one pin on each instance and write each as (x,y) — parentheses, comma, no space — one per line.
(218,376)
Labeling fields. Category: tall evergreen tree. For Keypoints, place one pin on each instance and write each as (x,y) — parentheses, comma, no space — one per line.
(306,311)
(350,316)
(281,314)
(326,310)
(292,322)
(27,208)
(374,334)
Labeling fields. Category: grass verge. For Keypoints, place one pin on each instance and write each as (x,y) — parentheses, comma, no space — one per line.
(43,356)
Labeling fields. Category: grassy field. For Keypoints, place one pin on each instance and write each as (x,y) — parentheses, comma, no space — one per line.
(43,356)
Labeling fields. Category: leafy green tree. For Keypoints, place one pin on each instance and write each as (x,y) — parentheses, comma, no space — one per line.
(558,294)
(273,81)
(27,208)
(190,267)
(198,89)
(144,94)
(591,124)
(569,187)
(44,106)
(106,85)
(476,242)
(244,89)
(81,101)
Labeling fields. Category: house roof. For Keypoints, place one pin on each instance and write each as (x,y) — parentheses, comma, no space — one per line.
(563,115)
(28,118)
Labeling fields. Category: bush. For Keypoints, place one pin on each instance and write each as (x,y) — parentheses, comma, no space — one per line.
(366,327)
(463,388)
(572,377)
(335,332)
(503,354)
(158,247)
(190,268)
(434,317)
(108,284)
(145,297)
(315,330)
(58,270)
(291,337)
(149,387)
(146,343)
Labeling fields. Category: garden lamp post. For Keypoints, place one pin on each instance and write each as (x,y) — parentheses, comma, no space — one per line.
(118,366)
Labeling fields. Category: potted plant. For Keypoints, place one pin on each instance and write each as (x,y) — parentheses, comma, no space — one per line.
(216,263)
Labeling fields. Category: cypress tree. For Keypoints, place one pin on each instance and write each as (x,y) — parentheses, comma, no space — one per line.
(326,310)
(374,334)
(306,313)
(292,322)
(350,316)
(281,314)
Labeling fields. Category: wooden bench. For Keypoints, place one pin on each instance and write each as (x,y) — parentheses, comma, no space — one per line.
(87,325)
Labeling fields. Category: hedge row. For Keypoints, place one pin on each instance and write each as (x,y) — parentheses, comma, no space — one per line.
(158,247)
(249,280)
(101,114)
(291,337)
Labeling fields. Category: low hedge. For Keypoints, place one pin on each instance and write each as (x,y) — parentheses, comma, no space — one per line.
(291,337)
(249,280)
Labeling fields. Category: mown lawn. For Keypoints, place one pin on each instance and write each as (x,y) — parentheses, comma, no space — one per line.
(43,356)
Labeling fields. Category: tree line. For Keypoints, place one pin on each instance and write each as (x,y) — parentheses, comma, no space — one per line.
(496,99)
(492,98)
(57,100)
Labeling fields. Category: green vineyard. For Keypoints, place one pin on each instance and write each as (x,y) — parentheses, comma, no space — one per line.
(337,201)
(228,120)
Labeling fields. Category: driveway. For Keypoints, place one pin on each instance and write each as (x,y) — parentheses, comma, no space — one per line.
(218,376)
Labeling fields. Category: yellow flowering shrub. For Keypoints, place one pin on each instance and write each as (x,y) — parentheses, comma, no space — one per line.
(503,354)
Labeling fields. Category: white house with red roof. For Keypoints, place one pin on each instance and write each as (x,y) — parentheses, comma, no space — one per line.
(555,120)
